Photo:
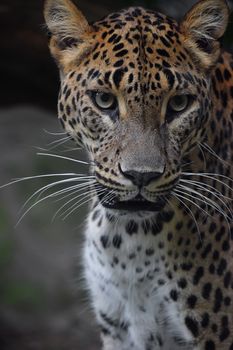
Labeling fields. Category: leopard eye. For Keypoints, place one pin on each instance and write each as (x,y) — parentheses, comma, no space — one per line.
(178,103)
(105,100)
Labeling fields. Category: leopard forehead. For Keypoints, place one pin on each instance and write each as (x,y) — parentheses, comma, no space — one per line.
(139,28)
(135,40)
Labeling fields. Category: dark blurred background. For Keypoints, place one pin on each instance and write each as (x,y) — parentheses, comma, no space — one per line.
(43,304)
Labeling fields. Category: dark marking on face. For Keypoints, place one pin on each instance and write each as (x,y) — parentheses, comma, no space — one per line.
(117,77)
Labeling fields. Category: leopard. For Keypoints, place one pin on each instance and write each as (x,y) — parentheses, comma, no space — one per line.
(150,100)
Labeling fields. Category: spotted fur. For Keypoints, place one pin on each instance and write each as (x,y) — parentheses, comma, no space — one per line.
(160,275)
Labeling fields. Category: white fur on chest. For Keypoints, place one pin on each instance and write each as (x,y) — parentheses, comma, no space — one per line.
(128,282)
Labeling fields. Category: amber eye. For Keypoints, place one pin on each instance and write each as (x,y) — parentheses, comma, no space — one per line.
(178,103)
(105,100)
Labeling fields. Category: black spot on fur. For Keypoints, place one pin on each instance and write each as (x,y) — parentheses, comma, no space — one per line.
(117,77)
(131,227)
(104,241)
(191,301)
(117,241)
(209,345)
(198,275)
(192,325)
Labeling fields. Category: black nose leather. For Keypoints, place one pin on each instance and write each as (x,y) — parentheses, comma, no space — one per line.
(141,179)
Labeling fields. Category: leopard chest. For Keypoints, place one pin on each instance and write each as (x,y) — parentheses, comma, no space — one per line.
(132,284)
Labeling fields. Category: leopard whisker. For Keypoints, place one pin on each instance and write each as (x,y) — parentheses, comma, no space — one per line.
(71,149)
(218,209)
(43,189)
(201,198)
(170,203)
(178,196)
(203,155)
(186,164)
(67,137)
(62,157)
(211,176)
(54,144)
(58,142)
(55,133)
(80,203)
(208,199)
(70,201)
(214,154)
(51,195)
(93,190)
(187,197)
(107,196)
(216,193)
(69,190)
(200,185)
(15,181)
(73,188)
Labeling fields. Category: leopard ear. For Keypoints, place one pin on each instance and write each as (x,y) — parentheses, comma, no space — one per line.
(202,27)
(67,26)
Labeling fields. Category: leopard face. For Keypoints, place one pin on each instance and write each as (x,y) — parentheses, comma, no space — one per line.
(135,93)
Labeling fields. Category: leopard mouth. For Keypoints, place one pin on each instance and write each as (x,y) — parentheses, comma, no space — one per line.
(138,203)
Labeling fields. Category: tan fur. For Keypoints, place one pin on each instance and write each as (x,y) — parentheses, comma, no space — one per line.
(65,21)
(207,20)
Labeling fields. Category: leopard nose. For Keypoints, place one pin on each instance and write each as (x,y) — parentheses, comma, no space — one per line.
(141,179)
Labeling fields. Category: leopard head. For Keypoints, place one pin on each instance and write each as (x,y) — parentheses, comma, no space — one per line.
(136,93)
